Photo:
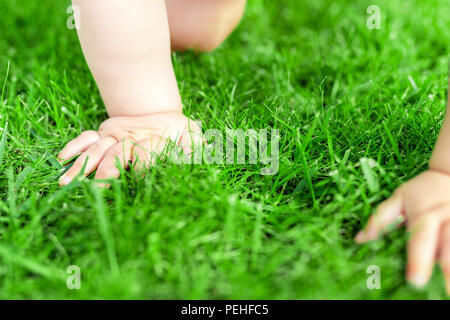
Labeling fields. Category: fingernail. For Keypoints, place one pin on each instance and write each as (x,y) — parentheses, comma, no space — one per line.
(64,180)
(359,236)
(372,234)
(418,280)
(103,185)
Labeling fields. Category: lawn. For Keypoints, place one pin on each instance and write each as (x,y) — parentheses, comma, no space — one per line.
(338,92)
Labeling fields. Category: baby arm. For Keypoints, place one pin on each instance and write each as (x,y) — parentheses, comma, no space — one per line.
(424,202)
(126,44)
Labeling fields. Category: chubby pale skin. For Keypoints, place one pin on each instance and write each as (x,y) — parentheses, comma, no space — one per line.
(127,45)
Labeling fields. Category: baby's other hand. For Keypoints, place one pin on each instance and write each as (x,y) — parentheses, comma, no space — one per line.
(134,139)
(424,203)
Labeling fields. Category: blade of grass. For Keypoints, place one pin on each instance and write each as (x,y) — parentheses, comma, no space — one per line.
(104,226)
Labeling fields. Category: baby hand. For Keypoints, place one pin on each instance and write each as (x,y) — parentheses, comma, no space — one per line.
(134,139)
(424,202)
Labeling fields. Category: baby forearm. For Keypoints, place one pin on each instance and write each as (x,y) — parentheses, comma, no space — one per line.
(127,47)
(440,160)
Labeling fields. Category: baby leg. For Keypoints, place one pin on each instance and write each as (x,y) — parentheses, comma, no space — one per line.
(202,24)
(127,47)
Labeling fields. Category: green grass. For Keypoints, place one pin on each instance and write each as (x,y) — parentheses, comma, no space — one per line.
(337,91)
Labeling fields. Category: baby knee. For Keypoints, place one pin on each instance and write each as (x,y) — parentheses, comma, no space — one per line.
(225,23)
(207,35)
